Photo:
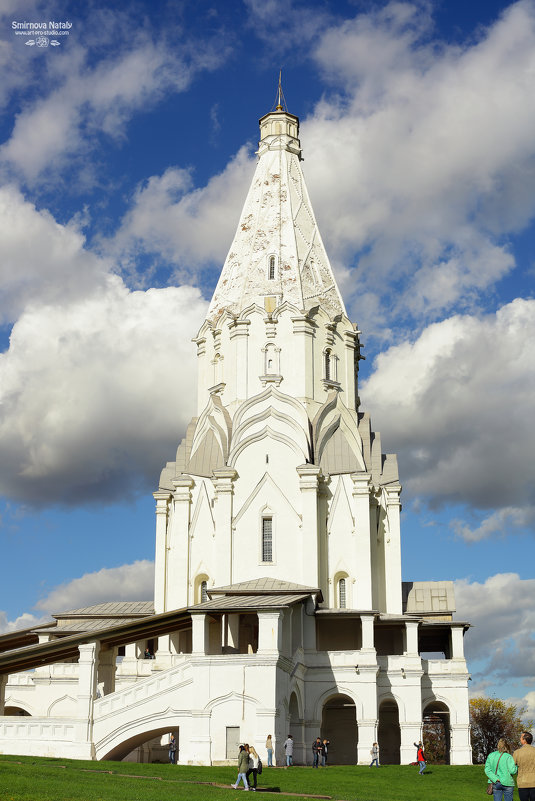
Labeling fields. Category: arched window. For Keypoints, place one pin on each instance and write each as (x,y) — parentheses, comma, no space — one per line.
(204,591)
(267,539)
(342,593)
(271,268)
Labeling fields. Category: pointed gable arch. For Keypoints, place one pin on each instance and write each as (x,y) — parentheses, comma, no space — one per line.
(210,445)
(265,485)
(337,444)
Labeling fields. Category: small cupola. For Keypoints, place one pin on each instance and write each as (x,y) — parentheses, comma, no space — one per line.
(279,130)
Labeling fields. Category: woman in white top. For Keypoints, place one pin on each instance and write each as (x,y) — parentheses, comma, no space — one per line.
(253,767)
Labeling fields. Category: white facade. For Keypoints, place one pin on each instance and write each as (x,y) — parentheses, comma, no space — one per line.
(277,539)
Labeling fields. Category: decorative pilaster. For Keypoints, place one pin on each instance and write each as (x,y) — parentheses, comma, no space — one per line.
(303,329)
(361,513)
(308,484)
(393,551)
(178,545)
(350,377)
(87,692)
(239,333)
(411,637)
(368,643)
(3,681)
(224,490)
(162,498)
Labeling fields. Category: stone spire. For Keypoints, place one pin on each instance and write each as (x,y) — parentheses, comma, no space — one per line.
(277,254)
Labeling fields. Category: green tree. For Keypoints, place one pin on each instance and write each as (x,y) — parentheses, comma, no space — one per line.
(492,719)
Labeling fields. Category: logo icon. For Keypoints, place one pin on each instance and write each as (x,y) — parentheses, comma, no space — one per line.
(55,43)
(41,41)
(30,42)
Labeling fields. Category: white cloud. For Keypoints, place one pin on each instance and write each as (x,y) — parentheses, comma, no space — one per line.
(133,582)
(426,160)
(95,392)
(497,523)
(80,98)
(24,621)
(40,260)
(456,405)
(502,613)
(185,226)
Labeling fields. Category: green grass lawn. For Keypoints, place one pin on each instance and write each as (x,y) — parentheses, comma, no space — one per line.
(41,779)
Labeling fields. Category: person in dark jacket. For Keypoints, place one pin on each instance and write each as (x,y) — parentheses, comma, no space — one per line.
(316,752)
(324,751)
(243,767)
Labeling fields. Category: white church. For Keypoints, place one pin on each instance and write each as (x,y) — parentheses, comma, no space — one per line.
(278,601)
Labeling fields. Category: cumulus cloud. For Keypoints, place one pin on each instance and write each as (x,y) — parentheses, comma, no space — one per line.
(456,405)
(422,159)
(180,224)
(133,582)
(94,393)
(40,260)
(502,612)
(24,621)
(88,91)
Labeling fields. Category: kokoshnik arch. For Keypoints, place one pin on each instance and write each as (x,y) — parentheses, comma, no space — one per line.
(278,599)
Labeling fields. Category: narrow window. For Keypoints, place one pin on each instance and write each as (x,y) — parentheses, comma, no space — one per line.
(271,270)
(204,591)
(328,365)
(342,593)
(267,539)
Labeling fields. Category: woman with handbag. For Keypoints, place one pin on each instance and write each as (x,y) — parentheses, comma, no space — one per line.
(500,768)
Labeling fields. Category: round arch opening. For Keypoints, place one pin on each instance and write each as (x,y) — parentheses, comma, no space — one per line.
(436,732)
(388,733)
(339,726)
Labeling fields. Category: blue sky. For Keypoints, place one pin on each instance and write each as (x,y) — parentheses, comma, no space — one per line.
(125,155)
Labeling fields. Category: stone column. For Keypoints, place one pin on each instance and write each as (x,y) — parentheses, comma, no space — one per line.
(224,491)
(411,637)
(460,747)
(87,692)
(411,733)
(457,642)
(106,670)
(393,552)
(309,626)
(200,634)
(368,642)
(270,631)
(362,560)
(3,681)
(160,559)
(308,484)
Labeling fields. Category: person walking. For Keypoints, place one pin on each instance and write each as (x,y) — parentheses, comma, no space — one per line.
(289,748)
(500,768)
(324,751)
(269,749)
(172,750)
(316,751)
(243,767)
(524,759)
(375,755)
(420,757)
(253,767)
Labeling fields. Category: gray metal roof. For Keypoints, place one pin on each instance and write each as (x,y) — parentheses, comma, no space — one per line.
(262,585)
(111,609)
(240,602)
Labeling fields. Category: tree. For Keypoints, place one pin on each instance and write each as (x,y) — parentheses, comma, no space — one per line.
(492,719)
(435,740)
